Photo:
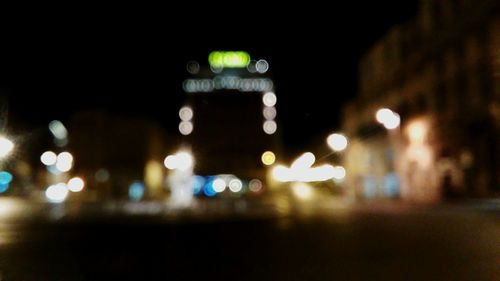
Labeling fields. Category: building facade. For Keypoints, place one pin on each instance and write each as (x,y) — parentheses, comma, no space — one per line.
(441,73)
(229,117)
(113,152)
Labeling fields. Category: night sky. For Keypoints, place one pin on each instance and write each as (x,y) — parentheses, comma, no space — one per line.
(132,62)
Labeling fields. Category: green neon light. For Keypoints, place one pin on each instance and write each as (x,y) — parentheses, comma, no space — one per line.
(228,59)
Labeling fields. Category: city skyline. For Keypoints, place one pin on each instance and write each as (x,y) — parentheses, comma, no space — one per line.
(90,70)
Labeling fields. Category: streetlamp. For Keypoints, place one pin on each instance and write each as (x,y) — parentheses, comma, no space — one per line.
(6,146)
(388,118)
(337,142)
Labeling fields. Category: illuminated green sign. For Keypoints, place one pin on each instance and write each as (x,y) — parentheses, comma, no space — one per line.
(228,59)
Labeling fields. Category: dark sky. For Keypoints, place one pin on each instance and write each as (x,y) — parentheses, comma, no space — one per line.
(132,61)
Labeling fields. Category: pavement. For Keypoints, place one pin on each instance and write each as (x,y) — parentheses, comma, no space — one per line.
(275,239)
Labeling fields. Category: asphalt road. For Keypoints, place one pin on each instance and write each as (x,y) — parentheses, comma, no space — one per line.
(369,242)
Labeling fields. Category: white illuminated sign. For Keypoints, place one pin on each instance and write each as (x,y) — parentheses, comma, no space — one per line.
(227,83)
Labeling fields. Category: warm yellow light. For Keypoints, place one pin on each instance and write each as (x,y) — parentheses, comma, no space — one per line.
(268,158)
(302,191)
(153,174)
(421,154)
(417,131)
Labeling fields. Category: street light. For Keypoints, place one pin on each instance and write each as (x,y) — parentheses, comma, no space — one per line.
(337,142)
(6,146)
(182,160)
(388,118)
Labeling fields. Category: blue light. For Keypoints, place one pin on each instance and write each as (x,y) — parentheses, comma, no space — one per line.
(370,186)
(3,187)
(53,170)
(198,183)
(208,189)
(5,177)
(136,191)
(391,184)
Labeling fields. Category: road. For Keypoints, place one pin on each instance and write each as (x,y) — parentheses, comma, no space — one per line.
(358,242)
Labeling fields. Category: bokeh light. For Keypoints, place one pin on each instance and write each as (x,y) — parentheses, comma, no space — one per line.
(270,127)
(262,66)
(337,142)
(382,115)
(185,128)
(57,129)
(5,180)
(170,162)
(281,173)
(56,193)
(64,161)
(102,175)
(255,185)
(268,158)
(251,66)
(184,160)
(302,191)
(339,173)
(198,183)
(193,67)
(305,161)
(208,189)
(235,185)
(76,184)
(186,113)
(269,99)
(393,122)
(269,112)
(48,158)
(416,131)
(6,146)
(136,191)
(388,118)
(219,185)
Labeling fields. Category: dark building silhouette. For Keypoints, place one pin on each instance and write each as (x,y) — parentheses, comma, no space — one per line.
(441,73)
(231,126)
(112,151)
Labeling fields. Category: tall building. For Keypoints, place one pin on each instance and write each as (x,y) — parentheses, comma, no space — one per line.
(440,74)
(229,115)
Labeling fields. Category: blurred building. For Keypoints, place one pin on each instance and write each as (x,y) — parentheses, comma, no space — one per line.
(112,152)
(229,116)
(441,73)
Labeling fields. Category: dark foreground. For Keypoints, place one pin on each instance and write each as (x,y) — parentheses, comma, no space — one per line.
(362,243)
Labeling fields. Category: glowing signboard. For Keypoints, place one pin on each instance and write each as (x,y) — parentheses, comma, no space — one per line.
(228,59)
(227,83)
